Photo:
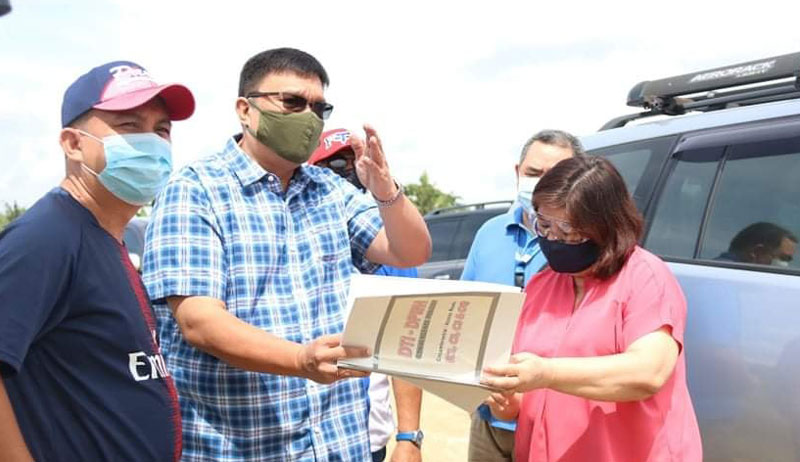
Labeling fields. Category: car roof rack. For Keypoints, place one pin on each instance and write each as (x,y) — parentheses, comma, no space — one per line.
(468,207)
(752,82)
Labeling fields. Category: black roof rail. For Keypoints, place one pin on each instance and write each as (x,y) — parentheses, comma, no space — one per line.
(465,207)
(752,82)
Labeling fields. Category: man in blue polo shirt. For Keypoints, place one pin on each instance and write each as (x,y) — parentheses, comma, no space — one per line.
(506,251)
(81,372)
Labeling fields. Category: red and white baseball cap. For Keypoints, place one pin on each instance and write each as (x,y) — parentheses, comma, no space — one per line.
(119,86)
(330,143)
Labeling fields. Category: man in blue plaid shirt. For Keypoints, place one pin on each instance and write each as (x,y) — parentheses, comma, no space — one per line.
(248,260)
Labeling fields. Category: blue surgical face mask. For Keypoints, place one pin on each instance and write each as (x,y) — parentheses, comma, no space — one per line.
(137,166)
(525,187)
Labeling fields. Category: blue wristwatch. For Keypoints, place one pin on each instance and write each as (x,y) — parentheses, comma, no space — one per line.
(415,437)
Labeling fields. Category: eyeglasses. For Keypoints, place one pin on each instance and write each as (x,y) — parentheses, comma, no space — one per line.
(296,103)
(558,230)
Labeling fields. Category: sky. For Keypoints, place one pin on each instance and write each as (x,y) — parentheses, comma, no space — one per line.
(453,88)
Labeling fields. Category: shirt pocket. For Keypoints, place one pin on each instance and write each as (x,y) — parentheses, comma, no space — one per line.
(328,237)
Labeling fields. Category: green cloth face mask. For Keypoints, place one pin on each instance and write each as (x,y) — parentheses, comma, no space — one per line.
(293,136)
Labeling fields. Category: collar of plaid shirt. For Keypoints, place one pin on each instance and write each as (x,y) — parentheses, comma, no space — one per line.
(249,172)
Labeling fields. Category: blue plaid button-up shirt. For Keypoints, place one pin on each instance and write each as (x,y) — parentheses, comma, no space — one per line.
(281,261)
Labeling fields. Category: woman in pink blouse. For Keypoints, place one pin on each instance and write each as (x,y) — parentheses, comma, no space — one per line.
(599,372)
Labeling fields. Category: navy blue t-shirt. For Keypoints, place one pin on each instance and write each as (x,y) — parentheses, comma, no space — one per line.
(78,351)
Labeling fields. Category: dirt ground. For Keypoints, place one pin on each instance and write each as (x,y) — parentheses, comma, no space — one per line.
(446,429)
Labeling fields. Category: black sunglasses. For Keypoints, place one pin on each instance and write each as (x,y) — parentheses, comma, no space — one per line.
(296,103)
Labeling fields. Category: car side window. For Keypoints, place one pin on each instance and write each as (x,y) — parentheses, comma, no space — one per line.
(755,213)
(466,234)
(442,232)
(680,208)
(639,164)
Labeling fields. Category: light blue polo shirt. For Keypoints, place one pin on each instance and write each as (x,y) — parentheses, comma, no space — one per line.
(503,246)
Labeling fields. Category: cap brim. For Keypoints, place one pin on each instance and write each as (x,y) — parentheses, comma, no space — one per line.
(177,98)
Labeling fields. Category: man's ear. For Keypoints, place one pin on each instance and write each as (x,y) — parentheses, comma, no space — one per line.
(243,111)
(70,140)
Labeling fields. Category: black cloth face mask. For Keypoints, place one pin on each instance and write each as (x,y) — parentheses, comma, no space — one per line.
(345,169)
(569,258)
(352,177)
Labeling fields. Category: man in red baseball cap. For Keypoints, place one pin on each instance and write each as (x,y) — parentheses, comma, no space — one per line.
(336,153)
(81,372)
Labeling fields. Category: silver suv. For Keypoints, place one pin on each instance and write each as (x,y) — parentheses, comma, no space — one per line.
(718,181)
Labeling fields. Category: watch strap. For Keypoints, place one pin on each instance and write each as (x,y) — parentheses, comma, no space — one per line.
(415,437)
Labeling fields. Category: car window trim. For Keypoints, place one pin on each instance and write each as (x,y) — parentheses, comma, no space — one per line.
(712,195)
(732,265)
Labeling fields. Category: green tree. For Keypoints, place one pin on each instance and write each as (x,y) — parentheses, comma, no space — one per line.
(11,212)
(427,197)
